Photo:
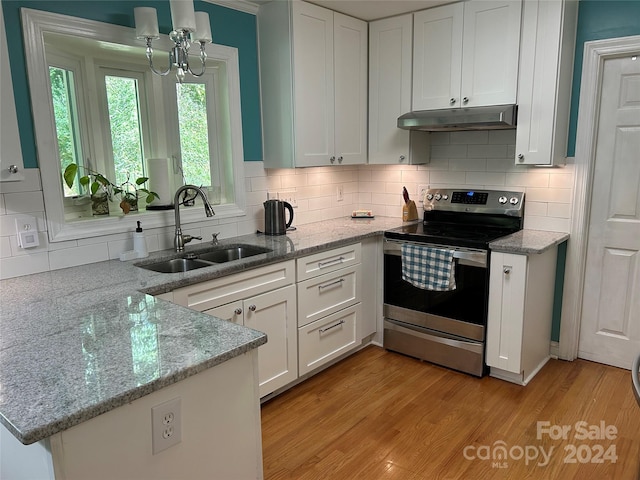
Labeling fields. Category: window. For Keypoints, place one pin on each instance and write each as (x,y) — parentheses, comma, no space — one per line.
(194,135)
(111,115)
(125,127)
(67,128)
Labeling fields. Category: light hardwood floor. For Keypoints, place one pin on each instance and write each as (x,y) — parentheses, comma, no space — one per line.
(381,415)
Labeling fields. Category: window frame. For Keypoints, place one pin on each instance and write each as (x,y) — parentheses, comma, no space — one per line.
(35,25)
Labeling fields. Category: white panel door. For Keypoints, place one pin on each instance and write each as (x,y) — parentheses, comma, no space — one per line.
(390,42)
(314,84)
(491,45)
(350,73)
(437,57)
(274,313)
(610,328)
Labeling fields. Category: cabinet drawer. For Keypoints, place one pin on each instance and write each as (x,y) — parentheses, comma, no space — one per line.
(327,261)
(213,293)
(328,338)
(328,293)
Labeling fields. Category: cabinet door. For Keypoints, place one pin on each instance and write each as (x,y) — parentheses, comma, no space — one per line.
(274,313)
(491,44)
(313,84)
(10,150)
(544,88)
(231,312)
(505,323)
(437,57)
(350,73)
(390,42)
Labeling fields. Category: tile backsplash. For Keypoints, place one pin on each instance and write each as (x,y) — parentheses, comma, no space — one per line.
(482,159)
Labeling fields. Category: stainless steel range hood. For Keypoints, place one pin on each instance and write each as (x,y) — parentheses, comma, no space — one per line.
(496,117)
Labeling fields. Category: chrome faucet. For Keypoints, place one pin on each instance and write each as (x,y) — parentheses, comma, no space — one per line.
(180,240)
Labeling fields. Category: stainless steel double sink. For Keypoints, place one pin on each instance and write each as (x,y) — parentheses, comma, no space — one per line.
(205,258)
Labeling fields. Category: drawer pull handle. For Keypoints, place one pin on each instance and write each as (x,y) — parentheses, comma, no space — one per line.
(322,330)
(330,262)
(238,311)
(506,270)
(330,284)
(252,308)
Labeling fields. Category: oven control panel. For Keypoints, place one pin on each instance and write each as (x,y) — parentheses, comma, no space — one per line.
(475,201)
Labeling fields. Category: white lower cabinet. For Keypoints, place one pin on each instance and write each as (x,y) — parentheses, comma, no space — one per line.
(328,293)
(263,299)
(521,289)
(308,323)
(328,338)
(329,306)
(273,313)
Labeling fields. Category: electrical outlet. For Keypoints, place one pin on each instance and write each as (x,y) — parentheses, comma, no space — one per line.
(289,197)
(340,193)
(422,189)
(166,425)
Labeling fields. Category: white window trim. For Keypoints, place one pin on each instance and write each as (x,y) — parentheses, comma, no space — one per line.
(35,25)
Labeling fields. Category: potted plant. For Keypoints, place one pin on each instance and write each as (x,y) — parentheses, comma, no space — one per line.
(102,189)
(129,193)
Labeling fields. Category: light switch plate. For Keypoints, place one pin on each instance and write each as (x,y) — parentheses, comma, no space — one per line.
(27,231)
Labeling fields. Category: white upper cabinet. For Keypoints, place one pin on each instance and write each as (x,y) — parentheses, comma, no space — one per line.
(466,54)
(313,67)
(389,88)
(350,73)
(390,42)
(544,92)
(11,164)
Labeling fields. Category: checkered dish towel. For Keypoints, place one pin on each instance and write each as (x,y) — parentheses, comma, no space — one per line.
(428,268)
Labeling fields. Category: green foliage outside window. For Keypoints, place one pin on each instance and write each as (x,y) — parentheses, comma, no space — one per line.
(194,134)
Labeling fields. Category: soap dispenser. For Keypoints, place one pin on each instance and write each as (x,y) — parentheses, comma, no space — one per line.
(140,243)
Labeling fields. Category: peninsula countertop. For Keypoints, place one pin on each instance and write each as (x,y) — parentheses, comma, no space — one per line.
(78,342)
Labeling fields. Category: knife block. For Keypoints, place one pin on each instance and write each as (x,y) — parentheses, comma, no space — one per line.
(409,211)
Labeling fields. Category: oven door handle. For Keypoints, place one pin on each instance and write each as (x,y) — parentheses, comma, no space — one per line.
(474,258)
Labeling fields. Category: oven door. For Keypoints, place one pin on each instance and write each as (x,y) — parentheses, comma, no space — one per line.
(461,312)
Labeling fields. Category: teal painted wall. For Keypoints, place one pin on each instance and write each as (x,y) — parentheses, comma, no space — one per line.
(598,19)
(229,27)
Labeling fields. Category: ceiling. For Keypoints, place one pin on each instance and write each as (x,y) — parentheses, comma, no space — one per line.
(373,9)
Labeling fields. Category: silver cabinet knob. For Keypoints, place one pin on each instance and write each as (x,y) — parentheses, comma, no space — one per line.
(520,157)
(332,159)
(340,159)
(465,100)
(238,311)
(506,270)
(401,158)
(13,169)
(252,308)
(452,101)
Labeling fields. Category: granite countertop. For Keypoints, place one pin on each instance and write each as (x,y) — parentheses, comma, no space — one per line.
(78,342)
(528,242)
